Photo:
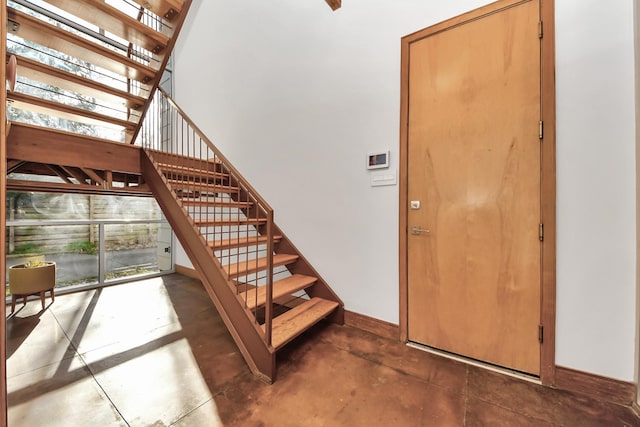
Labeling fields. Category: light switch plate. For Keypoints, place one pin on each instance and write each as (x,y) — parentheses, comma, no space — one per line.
(385,178)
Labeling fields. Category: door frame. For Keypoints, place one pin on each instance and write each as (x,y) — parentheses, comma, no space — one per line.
(547,173)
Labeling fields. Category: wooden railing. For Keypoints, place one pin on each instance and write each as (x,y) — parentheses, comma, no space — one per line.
(232,218)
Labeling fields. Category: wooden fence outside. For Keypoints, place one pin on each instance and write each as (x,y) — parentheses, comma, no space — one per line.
(79,238)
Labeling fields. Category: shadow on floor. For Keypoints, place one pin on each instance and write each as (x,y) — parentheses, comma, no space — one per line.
(156,353)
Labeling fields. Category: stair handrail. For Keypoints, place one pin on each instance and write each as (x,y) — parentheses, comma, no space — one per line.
(150,133)
(155,86)
(214,148)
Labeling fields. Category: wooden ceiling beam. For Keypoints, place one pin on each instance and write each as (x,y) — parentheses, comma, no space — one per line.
(13,165)
(73,173)
(59,187)
(59,172)
(334,4)
(43,170)
(93,175)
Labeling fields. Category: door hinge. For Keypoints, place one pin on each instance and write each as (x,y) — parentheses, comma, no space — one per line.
(540,334)
(540,29)
(541,232)
(540,129)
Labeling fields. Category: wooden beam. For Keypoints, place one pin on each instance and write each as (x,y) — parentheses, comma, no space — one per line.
(13,165)
(35,30)
(59,187)
(93,175)
(60,173)
(72,172)
(40,145)
(334,4)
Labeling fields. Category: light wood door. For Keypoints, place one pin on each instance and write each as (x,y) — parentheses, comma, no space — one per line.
(474,166)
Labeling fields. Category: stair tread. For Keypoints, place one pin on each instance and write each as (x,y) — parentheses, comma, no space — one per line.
(258,264)
(190,185)
(186,170)
(44,33)
(162,157)
(289,325)
(213,203)
(33,103)
(167,9)
(241,241)
(48,74)
(117,22)
(281,288)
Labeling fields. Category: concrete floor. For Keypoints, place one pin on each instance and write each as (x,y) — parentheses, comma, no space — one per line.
(155,353)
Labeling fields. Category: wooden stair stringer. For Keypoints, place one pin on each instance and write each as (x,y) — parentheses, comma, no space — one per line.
(302,266)
(247,335)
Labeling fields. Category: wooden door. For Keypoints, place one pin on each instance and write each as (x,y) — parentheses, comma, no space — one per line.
(473,185)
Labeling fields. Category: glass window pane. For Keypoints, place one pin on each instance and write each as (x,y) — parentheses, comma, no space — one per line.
(73,248)
(41,228)
(136,249)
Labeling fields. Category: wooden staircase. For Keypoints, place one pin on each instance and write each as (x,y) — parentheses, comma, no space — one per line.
(91,63)
(88,73)
(226,237)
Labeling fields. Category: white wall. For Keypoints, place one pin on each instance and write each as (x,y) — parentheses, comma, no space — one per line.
(296,96)
(596,282)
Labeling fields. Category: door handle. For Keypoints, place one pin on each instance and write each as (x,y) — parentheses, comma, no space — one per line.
(416,230)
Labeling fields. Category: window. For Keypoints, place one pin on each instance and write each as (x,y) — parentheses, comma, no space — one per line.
(93,239)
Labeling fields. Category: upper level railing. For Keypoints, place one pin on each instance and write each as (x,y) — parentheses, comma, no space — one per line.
(234,220)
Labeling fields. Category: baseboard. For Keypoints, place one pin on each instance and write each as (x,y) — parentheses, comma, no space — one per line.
(609,389)
(372,325)
(187,271)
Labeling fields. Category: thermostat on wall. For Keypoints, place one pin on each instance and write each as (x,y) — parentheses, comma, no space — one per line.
(378,160)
